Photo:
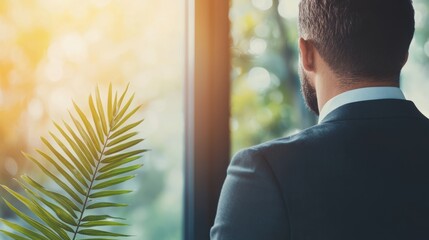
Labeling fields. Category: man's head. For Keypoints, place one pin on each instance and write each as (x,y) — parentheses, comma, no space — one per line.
(359,39)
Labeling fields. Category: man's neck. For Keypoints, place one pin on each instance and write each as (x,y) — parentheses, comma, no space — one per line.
(333,87)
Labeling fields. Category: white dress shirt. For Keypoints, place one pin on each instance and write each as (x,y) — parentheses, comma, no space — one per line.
(359,95)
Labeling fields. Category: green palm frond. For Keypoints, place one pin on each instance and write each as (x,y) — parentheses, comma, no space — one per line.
(87,160)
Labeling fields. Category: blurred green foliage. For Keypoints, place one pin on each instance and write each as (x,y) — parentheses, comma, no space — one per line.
(266,98)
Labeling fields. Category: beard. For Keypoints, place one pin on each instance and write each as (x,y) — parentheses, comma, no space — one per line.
(308,92)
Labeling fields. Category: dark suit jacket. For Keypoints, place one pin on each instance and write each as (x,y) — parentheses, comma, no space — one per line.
(363,173)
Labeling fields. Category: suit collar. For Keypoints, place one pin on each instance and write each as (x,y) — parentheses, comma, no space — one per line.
(374,109)
(358,95)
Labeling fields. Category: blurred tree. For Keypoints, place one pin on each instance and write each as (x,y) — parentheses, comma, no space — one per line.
(266,97)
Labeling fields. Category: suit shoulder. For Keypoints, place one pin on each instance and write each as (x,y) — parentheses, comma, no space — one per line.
(291,150)
(300,139)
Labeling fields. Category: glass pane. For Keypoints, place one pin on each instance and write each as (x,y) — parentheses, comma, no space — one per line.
(266,99)
(55,51)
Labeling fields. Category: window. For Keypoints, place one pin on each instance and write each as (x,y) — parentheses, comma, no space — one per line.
(266,99)
(55,51)
(178,58)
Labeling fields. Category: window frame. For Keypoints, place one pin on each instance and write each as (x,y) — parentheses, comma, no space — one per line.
(207,113)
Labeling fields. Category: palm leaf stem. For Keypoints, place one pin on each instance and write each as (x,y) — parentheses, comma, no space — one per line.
(91,184)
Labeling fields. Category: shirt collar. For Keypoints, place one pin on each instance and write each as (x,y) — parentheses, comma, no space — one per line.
(359,95)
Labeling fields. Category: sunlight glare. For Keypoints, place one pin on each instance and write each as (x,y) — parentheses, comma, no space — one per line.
(74,47)
(100,3)
(234,124)
(59,99)
(257,46)
(262,4)
(288,9)
(55,5)
(259,79)
(11,166)
(54,70)
(56,51)
(35,109)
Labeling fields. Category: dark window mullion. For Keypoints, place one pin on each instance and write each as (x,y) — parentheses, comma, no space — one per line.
(207,113)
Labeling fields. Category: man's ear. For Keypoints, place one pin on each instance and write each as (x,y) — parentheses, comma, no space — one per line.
(307,54)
